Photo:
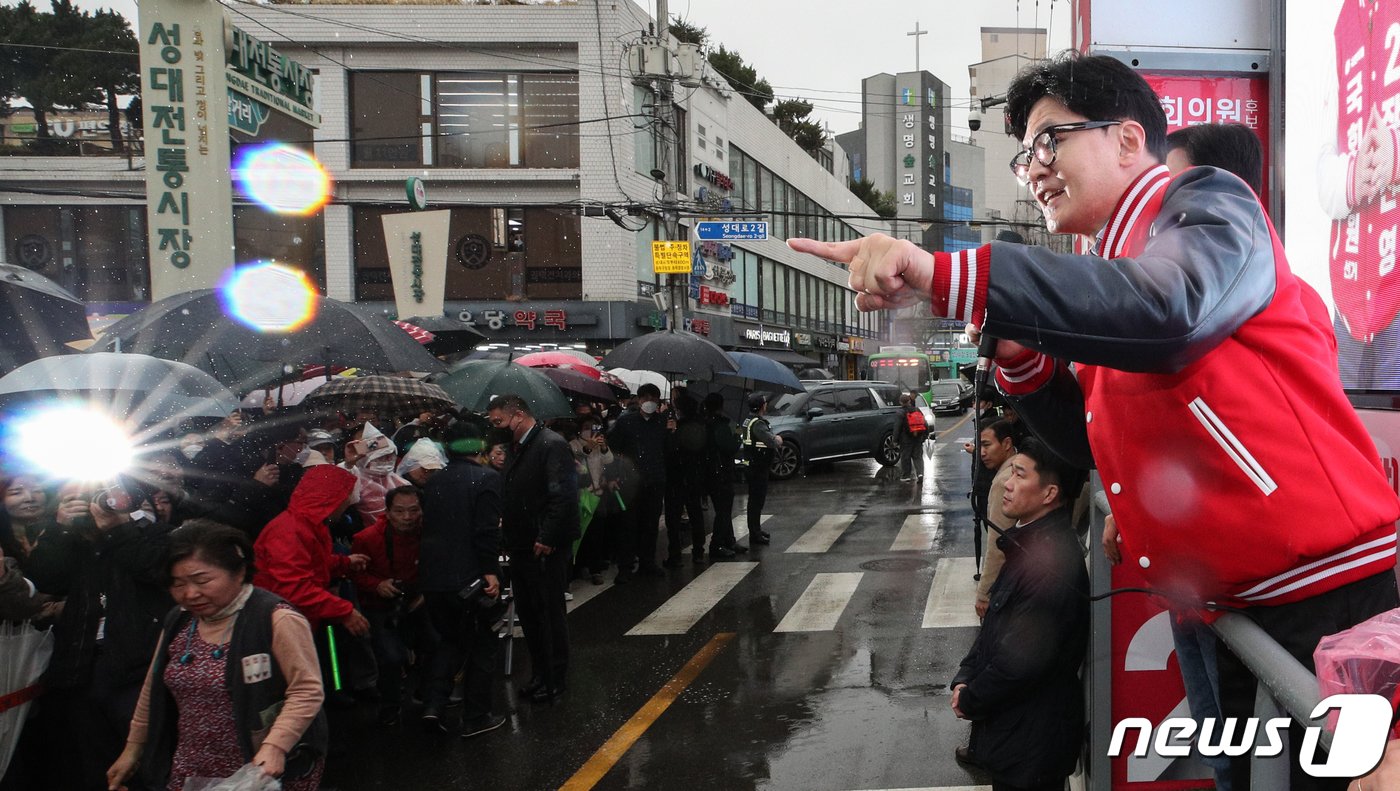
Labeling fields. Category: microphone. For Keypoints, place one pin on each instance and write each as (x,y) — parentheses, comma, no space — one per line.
(986,351)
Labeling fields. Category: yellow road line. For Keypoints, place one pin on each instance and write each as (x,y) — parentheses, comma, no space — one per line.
(955,426)
(613,749)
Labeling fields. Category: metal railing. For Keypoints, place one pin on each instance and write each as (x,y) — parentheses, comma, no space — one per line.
(1285,687)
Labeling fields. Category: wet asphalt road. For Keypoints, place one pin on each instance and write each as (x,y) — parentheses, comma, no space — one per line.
(834,679)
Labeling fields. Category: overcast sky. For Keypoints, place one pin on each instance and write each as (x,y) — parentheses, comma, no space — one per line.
(821,51)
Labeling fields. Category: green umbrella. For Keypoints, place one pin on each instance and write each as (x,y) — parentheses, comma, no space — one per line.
(473,383)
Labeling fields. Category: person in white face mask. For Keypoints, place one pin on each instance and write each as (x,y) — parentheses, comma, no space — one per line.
(375,470)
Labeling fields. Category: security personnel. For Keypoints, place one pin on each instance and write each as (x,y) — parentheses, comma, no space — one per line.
(759,442)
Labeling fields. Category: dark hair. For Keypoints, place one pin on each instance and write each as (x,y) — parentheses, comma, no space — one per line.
(1232,147)
(714,403)
(225,547)
(402,491)
(1001,428)
(1097,87)
(464,437)
(757,402)
(686,405)
(648,389)
(509,403)
(1053,469)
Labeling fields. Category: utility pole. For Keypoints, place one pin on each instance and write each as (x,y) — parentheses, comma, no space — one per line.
(676,285)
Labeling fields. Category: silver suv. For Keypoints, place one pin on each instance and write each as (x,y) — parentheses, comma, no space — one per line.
(835,420)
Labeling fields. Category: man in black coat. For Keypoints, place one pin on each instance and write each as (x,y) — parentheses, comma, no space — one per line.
(540,523)
(1019,684)
(461,544)
(643,440)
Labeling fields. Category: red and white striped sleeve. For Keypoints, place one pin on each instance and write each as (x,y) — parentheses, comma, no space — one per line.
(960,284)
(1025,373)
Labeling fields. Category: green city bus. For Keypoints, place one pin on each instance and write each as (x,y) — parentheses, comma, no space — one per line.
(905,366)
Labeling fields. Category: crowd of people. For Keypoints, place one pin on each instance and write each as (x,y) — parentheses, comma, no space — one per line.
(279,559)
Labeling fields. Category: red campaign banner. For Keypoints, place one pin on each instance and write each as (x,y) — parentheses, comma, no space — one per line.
(1188,101)
(1147,684)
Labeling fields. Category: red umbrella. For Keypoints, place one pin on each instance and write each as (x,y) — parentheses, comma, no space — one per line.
(558,360)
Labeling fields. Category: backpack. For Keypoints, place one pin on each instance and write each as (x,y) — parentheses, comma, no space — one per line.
(915,420)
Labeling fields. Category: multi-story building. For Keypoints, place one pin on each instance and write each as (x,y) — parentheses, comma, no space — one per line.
(531,127)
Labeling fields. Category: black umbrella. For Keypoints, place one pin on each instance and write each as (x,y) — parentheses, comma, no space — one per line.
(197,328)
(473,383)
(671,352)
(38,317)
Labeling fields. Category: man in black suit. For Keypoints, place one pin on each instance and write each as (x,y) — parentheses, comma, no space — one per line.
(540,523)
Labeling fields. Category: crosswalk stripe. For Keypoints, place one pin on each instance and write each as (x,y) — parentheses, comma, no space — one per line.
(919,533)
(585,594)
(820,606)
(951,598)
(823,534)
(741,525)
(690,604)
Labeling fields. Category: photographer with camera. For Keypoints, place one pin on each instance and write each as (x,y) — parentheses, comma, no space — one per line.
(388,589)
(459,576)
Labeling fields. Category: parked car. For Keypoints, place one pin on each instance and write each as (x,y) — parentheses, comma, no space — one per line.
(835,420)
(950,397)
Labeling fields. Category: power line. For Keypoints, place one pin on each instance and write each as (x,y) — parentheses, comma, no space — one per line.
(71,49)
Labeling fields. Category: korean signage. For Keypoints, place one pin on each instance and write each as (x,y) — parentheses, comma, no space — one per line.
(523,318)
(731,231)
(1188,101)
(698,326)
(246,115)
(918,145)
(257,70)
(417,248)
(670,258)
(189,194)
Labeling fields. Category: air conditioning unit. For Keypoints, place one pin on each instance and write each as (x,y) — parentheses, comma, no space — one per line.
(690,65)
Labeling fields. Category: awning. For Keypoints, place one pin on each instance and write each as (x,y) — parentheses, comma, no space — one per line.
(784,356)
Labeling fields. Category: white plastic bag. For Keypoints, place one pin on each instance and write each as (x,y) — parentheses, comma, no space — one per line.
(249,778)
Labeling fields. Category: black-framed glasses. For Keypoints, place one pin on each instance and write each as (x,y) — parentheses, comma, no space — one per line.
(1043,147)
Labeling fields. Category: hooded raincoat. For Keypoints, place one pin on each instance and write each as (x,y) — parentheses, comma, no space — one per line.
(293,554)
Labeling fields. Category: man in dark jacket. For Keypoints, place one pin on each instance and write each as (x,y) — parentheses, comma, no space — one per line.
(461,546)
(642,439)
(540,523)
(685,481)
(1019,684)
(722,446)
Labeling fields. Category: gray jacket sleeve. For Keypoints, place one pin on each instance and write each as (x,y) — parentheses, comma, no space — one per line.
(1207,269)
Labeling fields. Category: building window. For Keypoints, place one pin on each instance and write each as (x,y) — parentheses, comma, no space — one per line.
(492,254)
(464,120)
(385,117)
(289,240)
(96,252)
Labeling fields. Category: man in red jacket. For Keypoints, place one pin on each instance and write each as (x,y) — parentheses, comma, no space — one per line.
(1254,485)
(293,554)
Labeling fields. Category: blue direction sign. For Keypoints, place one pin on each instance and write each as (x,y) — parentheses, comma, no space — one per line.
(730,231)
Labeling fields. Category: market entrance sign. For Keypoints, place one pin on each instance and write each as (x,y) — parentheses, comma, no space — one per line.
(257,70)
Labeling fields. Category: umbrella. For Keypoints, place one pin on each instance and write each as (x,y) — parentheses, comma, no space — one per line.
(671,352)
(576,384)
(147,390)
(41,307)
(38,315)
(635,379)
(450,336)
(758,372)
(473,383)
(24,655)
(559,360)
(583,356)
(289,394)
(195,327)
(386,395)
(612,380)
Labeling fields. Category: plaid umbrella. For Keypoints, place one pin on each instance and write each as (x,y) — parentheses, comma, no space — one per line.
(387,395)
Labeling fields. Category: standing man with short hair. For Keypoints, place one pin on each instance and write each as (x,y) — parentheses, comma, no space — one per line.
(995,447)
(642,438)
(540,522)
(1019,684)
